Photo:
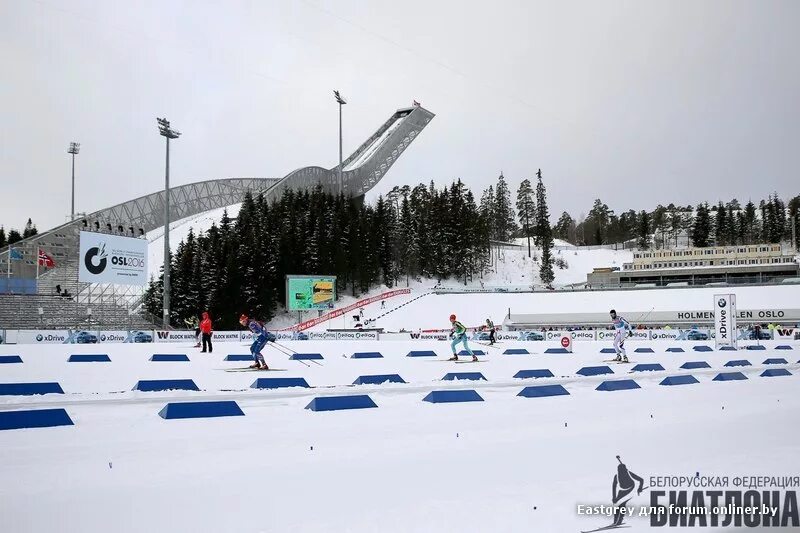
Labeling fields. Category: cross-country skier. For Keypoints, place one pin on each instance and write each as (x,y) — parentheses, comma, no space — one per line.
(490,327)
(459,335)
(621,330)
(260,339)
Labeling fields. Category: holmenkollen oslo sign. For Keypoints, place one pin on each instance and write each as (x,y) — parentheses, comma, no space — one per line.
(112,259)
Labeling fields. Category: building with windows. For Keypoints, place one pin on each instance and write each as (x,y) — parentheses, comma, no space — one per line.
(752,263)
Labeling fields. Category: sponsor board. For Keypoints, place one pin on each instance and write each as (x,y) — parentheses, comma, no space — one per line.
(140,336)
(438,336)
(356,335)
(226,336)
(106,258)
(725,320)
(322,335)
(554,335)
(35,336)
(174,336)
(112,336)
(785,333)
(2,336)
(665,334)
(583,335)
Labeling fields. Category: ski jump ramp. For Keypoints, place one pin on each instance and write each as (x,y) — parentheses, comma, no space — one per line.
(360,172)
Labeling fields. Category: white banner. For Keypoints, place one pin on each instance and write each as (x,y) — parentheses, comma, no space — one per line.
(664,334)
(35,336)
(139,336)
(226,336)
(554,335)
(725,320)
(583,335)
(108,258)
(434,336)
(357,335)
(112,336)
(174,336)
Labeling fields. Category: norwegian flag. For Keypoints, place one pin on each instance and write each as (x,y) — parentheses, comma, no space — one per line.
(45,260)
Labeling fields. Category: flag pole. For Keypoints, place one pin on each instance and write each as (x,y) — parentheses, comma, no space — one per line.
(38,251)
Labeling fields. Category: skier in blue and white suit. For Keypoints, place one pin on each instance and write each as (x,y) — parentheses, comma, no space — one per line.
(260,339)
(621,330)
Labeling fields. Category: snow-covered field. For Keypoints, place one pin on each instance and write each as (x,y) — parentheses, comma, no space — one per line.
(433,311)
(506,464)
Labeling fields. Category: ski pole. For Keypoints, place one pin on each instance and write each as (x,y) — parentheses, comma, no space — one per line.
(288,351)
(289,355)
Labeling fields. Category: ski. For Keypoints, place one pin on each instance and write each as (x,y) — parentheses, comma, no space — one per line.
(618,362)
(464,362)
(254,370)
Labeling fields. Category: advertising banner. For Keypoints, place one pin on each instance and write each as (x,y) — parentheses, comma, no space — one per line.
(174,336)
(665,334)
(725,320)
(226,336)
(139,336)
(108,258)
(112,336)
(35,336)
(583,335)
(305,293)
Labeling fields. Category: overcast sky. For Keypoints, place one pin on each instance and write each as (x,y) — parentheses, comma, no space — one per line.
(636,103)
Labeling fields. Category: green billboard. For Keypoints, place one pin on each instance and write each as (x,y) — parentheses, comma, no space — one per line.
(305,293)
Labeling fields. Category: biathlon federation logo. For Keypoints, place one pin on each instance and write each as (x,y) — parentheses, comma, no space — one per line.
(89,259)
(622,487)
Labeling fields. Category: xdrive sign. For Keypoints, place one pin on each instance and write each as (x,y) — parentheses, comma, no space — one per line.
(112,259)
(725,320)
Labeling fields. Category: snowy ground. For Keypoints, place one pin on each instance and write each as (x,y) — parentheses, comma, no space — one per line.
(433,311)
(507,464)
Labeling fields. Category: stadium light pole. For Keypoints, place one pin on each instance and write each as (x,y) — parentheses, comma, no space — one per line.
(341,102)
(166,131)
(74,148)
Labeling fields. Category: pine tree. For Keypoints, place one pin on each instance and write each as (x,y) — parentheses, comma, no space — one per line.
(506,226)
(526,210)
(30,230)
(701,228)
(644,230)
(14,237)
(565,228)
(752,226)
(721,225)
(2,237)
(545,232)
(794,220)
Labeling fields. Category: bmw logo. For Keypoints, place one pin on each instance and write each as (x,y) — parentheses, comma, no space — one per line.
(39,337)
(102,338)
(722,302)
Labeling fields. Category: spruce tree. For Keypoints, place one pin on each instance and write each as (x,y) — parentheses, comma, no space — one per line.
(14,237)
(644,230)
(30,230)
(701,228)
(721,225)
(2,237)
(526,210)
(565,228)
(545,233)
(504,215)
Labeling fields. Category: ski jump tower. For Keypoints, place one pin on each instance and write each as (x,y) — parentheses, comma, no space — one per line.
(135,218)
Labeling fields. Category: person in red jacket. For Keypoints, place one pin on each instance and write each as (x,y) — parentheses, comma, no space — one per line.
(205,329)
